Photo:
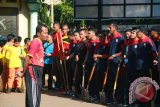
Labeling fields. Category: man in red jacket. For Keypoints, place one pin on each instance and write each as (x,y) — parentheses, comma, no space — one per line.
(59,53)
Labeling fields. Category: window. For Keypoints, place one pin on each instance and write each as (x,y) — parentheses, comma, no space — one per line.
(8,17)
(156,9)
(86,2)
(138,11)
(156,1)
(11,0)
(113,11)
(87,12)
(113,1)
(137,1)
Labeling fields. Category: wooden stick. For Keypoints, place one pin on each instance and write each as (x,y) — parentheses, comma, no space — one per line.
(66,73)
(63,73)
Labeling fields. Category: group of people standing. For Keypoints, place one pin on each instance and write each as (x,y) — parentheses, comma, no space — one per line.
(109,61)
(86,61)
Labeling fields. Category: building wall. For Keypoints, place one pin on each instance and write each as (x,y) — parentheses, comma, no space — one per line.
(16,17)
(23,21)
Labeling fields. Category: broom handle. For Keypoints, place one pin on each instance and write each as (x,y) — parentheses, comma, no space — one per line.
(83,77)
(117,74)
(64,63)
(75,72)
(106,75)
(90,77)
(61,63)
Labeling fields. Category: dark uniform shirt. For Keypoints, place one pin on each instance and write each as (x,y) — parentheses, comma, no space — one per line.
(102,49)
(117,44)
(91,49)
(146,48)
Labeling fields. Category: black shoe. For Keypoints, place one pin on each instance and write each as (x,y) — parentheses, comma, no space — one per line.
(13,89)
(110,101)
(19,90)
(9,90)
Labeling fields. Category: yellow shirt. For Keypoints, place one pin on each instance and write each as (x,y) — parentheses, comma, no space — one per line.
(1,56)
(6,53)
(15,60)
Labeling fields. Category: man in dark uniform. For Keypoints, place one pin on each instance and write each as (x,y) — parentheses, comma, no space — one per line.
(72,61)
(89,62)
(131,73)
(146,56)
(155,33)
(147,53)
(117,45)
(81,51)
(100,55)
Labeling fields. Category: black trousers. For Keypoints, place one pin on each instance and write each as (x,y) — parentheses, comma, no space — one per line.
(111,79)
(71,71)
(57,71)
(33,80)
(47,69)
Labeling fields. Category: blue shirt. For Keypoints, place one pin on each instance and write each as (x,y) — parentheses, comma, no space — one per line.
(48,49)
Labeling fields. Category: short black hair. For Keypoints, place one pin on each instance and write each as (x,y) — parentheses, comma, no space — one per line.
(143,29)
(27,40)
(155,28)
(17,39)
(39,28)
(80,30)
(135,28)
(70,33)
(10,37)
(92,30)
(66,25)
(57,23)
(114,24)
(127,30)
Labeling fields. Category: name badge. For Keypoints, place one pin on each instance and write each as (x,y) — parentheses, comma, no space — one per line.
(144,44)
(94,44)
(103,47)
(135,46)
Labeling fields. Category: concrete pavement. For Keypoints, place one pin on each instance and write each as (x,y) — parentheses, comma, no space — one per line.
(48,99)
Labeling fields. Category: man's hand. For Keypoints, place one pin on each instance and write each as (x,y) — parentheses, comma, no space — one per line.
(48,55)
(20,74)
(95,57)
(111,57)
(67,58)
(21,56)
(77,58)
(83,65)
(155,62)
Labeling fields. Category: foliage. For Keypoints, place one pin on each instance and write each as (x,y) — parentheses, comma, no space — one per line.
(64,13)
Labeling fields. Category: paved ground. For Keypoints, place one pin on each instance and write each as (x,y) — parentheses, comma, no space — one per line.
(49,99)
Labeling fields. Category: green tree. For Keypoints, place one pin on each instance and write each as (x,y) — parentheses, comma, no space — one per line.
(44,18)
(64,12)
